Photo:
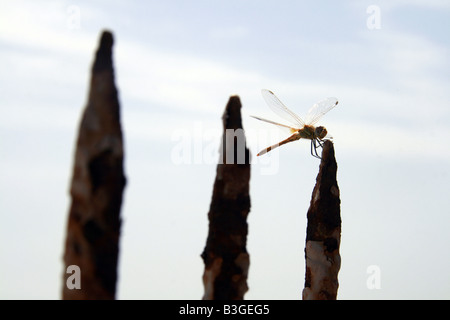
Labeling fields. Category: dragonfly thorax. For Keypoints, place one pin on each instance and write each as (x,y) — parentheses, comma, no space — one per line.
(311,133)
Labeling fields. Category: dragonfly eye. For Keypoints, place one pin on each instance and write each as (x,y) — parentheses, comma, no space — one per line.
(320,132)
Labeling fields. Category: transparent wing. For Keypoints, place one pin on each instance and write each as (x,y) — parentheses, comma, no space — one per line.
(291,129)
(280,109)
(319,109)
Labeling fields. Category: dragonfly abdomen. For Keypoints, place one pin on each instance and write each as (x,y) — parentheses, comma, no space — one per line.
(294,137)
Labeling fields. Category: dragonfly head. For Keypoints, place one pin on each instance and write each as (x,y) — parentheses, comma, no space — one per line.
(320,132)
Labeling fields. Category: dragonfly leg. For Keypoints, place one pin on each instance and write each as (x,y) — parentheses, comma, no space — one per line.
(314,147)
(320,142)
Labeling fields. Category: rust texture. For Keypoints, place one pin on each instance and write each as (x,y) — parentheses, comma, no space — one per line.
(98,181)
(323,233)
(225,255)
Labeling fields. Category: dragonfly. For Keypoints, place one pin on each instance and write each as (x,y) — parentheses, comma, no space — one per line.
(300,129)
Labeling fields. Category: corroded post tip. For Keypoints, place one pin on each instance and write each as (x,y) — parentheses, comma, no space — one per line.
(103,57)
(323,232)
(107,39)
(232,114)
(328,151)
(98,181)
(225,255)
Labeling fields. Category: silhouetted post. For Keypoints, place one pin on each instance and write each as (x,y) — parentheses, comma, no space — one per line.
(323,233)
(225,255)
(92,243)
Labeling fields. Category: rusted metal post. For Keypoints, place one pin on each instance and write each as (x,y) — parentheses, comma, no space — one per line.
(225,255)
(93,229)
(323,233)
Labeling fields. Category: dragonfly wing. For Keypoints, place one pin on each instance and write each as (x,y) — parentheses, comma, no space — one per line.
(319,109)
(280,109)
(291,129)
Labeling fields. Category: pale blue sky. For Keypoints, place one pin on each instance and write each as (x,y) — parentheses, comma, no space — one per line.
(176,63)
